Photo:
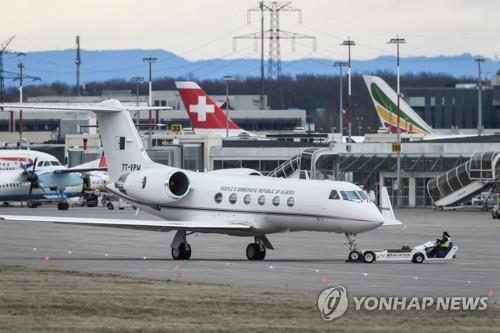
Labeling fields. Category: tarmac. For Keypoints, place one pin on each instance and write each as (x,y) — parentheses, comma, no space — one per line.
(302,260)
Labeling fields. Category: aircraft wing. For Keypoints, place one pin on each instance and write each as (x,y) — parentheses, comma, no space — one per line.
(79,170)
(199,226)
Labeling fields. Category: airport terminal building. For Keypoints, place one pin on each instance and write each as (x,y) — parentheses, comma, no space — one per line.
(456,108)
(371,164)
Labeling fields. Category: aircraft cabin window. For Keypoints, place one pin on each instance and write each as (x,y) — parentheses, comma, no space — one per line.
(334,195)
(247,199)
(232,198)
(261,200)
(290,202)
(276,201)
(218,197)
(40,164)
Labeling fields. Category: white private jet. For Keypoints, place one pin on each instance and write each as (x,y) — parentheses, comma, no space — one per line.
(236,205)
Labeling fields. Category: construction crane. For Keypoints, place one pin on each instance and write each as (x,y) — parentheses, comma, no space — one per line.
(3,48)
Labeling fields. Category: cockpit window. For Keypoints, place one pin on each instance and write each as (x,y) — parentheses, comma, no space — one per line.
(46,163)
(363,195)
(56,163)
(350,195)
(40,164)
(334,195)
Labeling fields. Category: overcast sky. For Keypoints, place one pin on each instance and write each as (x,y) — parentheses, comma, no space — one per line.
(200,29)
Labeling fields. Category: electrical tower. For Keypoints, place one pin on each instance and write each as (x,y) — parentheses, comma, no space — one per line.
(3,49)
(274,34)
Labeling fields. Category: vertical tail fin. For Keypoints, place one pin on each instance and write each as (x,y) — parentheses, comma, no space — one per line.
(102,161)
(121,142)
(202,111)
(385,101)
(386,208)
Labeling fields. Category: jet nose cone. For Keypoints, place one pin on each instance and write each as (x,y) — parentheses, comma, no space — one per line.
(375,216)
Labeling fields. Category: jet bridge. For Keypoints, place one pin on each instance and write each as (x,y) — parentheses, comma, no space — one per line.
(311,163)
(457,185)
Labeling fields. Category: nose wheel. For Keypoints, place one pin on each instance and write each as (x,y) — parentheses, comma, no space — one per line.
(62,205)
(354,256)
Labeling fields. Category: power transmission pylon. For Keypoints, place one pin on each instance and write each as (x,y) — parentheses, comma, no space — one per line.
(3,49)
(274,34)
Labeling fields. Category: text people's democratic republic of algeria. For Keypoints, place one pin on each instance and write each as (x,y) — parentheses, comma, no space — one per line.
(262,190)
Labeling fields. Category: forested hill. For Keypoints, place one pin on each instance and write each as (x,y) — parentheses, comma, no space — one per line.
(52,66)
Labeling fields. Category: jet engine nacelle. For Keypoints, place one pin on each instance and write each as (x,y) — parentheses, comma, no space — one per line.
(158,186)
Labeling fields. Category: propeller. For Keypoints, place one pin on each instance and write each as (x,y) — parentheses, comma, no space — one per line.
(31,177)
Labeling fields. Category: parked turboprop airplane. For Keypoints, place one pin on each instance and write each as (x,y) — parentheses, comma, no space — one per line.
(32,176)
(251,206)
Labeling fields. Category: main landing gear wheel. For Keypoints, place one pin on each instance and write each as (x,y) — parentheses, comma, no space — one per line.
(182,252)
(256,251)
(369,257)
(63,205)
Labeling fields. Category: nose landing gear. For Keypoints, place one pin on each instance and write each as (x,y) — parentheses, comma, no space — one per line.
(356,255)
(62,205)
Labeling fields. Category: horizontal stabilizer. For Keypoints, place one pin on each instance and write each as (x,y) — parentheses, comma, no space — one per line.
(109,105)
(80,170)
(54,196)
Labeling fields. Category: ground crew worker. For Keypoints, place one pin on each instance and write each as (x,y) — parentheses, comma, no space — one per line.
(442,246)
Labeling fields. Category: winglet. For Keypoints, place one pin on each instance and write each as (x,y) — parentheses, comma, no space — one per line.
(386,208)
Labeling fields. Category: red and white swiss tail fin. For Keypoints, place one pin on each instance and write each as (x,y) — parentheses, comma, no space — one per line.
(203,112)
(102,161)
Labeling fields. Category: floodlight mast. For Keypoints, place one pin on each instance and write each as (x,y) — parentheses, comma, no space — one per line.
(349,43)
(398,41)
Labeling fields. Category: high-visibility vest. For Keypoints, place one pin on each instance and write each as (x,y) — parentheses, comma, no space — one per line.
(446,243)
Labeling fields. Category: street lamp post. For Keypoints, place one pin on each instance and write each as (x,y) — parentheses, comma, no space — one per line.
(349,43)
(20,65)
(137,80)
(340,64)
(150,61)
(398,41)
(479,97)
(227,78)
